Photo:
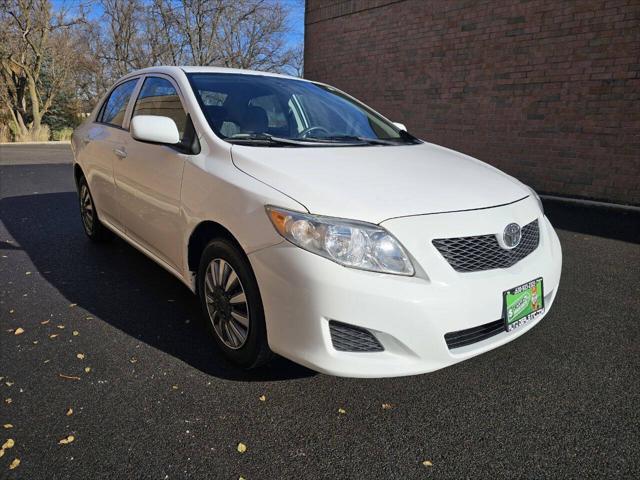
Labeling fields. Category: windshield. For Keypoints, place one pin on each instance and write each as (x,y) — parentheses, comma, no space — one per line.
(261,109)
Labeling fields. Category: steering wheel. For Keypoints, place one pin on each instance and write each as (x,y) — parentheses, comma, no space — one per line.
(305,133)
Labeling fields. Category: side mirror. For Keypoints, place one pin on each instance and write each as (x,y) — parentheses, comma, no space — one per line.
(400,126)
(155,129)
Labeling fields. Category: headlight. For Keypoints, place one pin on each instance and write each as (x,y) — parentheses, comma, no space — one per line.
(349,243)
(537,197)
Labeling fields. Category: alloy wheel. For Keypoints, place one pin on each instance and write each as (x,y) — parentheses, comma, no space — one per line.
(226,304)
(86,209)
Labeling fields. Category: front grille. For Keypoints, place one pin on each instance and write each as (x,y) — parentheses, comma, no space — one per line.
(472,335)
(483,252)
(349,338)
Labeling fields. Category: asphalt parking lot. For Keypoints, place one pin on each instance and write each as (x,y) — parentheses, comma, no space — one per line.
(115,338)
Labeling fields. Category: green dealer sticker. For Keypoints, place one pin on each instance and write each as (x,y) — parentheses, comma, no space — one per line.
(523,304)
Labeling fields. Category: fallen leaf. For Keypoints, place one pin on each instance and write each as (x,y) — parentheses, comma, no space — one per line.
(1,453)
(7,425)
(342,411)
(8,384)
(69,377)
(133,359)
(87,369)
(71,305)
(262,398)
(14,464)
(175,387)
(88,318)
(27,273)
(61,327)
(69,412)
(35,342)
(19,331)
(427,463)
(67,440)
(242,447)
(44,322)
(11,311)
(8,444)
(8,400)
(387,406)
(54,335)
(76,333)
(80,356)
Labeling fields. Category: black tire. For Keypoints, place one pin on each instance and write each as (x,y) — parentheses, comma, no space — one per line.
(254,351)
(91,224)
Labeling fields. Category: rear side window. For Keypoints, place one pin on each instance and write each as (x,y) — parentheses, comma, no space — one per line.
(115,107)
(159,97)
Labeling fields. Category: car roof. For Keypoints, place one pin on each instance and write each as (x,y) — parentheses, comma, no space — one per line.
(194,69)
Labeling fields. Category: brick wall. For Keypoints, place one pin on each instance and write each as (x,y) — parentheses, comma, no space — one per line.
(546,90)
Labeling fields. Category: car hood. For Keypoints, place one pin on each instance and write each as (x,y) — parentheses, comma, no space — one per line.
(375,183)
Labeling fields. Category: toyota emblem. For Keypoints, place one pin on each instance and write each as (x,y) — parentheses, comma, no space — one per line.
(512,235)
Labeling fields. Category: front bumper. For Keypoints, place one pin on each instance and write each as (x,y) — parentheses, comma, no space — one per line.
(409,316)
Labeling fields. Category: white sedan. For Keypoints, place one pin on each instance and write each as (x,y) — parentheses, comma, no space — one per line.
(311,226)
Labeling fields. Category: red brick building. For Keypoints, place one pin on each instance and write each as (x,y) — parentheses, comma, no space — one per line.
(547,90)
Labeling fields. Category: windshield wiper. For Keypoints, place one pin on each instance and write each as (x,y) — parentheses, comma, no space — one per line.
(267,139)
(352,139)
(261,138)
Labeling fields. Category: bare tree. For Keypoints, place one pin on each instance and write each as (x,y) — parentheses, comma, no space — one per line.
(48,54)
(234,33)
(252,36)
(297,61)
(124,29)
(35,60)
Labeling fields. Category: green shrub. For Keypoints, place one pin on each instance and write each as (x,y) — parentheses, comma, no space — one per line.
(62,135)
(40,135)
(5,134)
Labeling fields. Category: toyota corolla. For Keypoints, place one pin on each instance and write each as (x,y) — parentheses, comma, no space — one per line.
(311,226)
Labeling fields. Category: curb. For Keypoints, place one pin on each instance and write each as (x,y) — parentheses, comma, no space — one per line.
(591,203)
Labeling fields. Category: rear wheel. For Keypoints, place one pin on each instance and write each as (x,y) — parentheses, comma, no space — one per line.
(90,221)
(231,304)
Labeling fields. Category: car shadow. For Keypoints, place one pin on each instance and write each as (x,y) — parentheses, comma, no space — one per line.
(121,286)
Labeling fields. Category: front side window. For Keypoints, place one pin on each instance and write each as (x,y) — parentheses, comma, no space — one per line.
(159,97)
(115,107)
(257,107)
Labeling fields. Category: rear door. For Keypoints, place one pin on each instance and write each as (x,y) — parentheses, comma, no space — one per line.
(102,144)
(149,179)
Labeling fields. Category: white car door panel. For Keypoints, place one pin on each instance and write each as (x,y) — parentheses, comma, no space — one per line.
(103,139)
(98,164)
(148,178)
(148,182)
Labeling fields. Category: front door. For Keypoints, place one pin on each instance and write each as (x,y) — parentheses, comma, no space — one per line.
(148,178)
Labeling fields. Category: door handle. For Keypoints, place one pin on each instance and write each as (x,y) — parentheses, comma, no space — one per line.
(120,152)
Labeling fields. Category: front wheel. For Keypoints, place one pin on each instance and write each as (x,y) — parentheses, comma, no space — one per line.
(231,304)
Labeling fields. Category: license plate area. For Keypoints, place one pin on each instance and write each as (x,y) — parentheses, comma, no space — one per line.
(523,304)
